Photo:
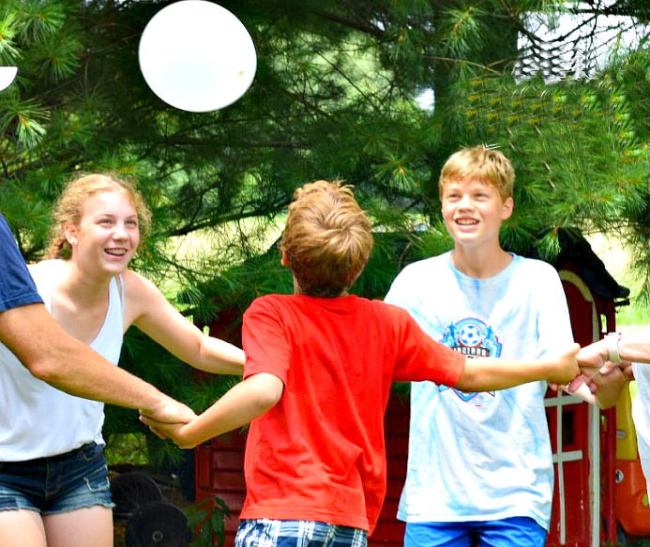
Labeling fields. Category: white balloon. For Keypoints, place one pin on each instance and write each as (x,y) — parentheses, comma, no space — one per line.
(197,56)
(7,75)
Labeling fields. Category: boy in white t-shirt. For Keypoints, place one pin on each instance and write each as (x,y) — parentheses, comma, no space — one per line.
(480,465)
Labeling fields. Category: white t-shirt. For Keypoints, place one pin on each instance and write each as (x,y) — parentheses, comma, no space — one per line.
(641,416)
(38,420)
(482,456)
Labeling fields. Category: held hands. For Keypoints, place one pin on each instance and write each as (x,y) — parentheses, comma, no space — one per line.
(169,411)
(596,378)
(597,370)
(590,359)
(168,418)
(176,432)
(565,367)
(600,381)
(593,356)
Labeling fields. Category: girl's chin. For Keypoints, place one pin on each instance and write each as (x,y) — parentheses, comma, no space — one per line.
(117,266)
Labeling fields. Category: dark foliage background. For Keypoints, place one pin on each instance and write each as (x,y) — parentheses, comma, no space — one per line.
(334,96)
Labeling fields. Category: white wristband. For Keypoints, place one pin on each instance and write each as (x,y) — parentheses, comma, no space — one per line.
(611,343)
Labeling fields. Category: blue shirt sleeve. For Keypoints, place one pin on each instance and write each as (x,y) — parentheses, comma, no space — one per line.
(16,285)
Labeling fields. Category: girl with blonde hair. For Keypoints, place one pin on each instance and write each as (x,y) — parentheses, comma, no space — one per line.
(53,478)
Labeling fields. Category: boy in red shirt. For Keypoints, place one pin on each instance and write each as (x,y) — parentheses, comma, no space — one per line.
(319,369)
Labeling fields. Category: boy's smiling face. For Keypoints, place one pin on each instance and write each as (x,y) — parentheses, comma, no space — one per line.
(473,212)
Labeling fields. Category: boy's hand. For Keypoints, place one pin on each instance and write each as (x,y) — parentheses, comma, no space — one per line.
(565,367)
(593,356)
(593,363)
(177,432)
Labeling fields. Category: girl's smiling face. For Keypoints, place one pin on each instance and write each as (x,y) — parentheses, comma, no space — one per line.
(107,234)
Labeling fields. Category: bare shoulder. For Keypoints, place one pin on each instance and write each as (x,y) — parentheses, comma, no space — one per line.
(140,294)
(134,280)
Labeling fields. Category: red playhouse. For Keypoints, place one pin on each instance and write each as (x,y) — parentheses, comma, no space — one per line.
(599,493)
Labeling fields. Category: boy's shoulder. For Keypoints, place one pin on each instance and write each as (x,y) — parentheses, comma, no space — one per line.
(281,301)
(270,301)
(411,281)
(534,266)
(278,302)
(532,276)
(426,265)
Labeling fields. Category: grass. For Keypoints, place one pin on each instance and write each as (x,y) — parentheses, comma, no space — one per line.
(637,313)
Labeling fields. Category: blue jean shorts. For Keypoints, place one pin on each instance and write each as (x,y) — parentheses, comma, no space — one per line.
(296,533)
(57,484)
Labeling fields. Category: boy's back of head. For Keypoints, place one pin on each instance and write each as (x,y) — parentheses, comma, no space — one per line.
(482,163)
(327,239)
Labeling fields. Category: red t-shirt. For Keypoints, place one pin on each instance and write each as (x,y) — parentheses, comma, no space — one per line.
(319,454)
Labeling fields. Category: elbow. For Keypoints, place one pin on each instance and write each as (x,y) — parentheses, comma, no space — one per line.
(265,401)
(44,369)
(55,365)
(267,393)
(469,381)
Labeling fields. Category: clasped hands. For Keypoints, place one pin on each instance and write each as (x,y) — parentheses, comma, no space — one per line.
(596,370)
(172,429)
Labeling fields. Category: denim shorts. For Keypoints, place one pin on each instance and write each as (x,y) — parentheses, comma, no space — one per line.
(56,484)
(293,533)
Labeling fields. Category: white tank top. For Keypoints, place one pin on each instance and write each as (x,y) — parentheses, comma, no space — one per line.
(38,420)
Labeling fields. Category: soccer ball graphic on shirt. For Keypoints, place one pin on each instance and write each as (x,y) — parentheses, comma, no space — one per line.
(473,338)
(470,335)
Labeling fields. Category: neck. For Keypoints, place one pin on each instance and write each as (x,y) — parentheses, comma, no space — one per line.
(298,290)
(79,286)
(480,263)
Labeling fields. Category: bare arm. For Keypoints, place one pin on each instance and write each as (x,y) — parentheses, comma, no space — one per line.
(629,349)
(247,400)
(634,351)
(57,358)
(606,379)
(482,374)
(150,311)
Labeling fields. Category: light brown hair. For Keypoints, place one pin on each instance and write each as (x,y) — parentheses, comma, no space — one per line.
(69,207)
(327,239)
(482,163)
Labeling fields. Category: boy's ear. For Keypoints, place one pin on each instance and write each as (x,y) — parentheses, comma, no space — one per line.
(353,278)
(507,207)
(284,258)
